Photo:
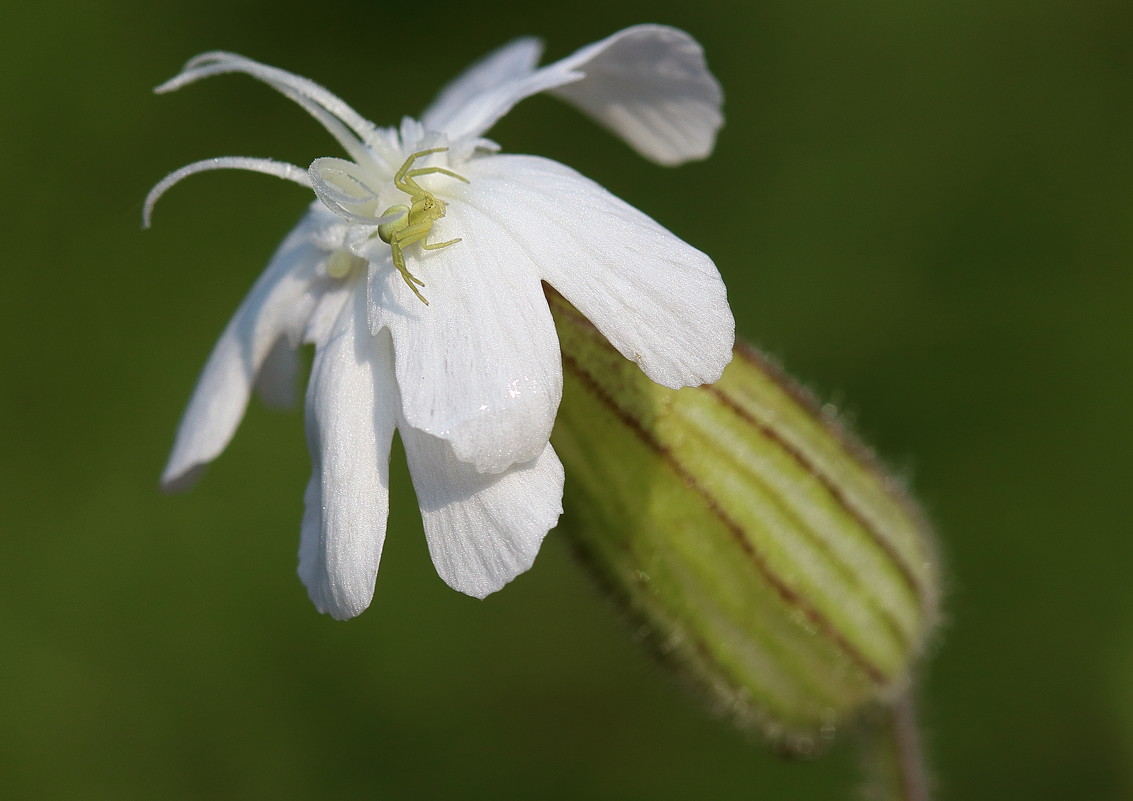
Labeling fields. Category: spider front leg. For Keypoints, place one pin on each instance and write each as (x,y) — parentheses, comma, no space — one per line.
(410,187)
(410,279)
(399,176)
(439,245)
(416,232)
(403,178)
(393,234)
(407,236)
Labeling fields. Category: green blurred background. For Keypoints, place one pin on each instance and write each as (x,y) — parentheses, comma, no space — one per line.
(922,208)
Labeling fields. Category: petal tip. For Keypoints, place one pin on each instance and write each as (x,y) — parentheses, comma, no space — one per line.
(177,479)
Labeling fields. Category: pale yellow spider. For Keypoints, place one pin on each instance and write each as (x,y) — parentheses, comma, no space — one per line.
(416,219)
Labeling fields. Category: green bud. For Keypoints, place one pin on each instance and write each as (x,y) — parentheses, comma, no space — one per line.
(767,554)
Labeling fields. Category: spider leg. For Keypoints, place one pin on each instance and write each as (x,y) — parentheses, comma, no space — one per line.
(410,187)
(399,263)
(413,157)
(418,233)
(399,177)
(439,245)
(434,171)
(410,279)
(414,233)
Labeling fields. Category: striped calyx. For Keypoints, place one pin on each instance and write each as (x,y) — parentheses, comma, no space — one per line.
(767,554)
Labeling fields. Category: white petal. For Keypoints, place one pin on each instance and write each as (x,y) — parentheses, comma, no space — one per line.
(351,407)
(513,62)
(483,530)
(278,379)
(473,113)
(480,365)
(658,300)
(325,311)
(221,394)
(650,85)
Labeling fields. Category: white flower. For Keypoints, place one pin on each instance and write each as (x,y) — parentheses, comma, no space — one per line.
(472,378)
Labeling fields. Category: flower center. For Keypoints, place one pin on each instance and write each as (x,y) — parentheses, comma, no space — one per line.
(414,222)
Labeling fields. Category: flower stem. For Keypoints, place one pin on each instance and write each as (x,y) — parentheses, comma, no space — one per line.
(892,756)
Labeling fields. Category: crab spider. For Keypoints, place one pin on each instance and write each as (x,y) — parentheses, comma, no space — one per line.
(416,219)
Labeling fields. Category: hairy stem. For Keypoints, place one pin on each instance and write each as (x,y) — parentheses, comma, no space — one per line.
(894,762)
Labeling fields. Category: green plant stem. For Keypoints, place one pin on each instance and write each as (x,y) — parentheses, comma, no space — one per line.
(892,754)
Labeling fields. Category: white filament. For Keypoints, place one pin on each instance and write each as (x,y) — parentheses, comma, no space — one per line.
(280,169)
(331,111)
